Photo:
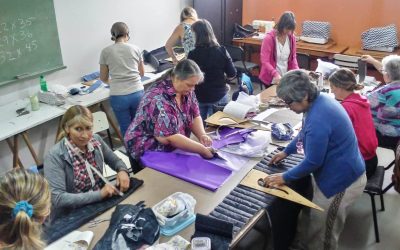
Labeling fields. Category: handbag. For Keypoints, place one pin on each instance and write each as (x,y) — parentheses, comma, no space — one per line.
(380,38)
(241,32)
(282,131)
(316,29)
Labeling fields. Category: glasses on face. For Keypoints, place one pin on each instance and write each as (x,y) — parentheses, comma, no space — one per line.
(288,101)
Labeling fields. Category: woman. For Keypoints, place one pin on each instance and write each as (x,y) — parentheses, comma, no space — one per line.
(278,50)
(24,206)
(331,155)
(68,166)
(384,100)
(343,84)
(168,114)
(124,62)
(215,62)
(182,33)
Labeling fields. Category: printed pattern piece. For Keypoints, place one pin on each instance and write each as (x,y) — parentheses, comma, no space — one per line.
(380,37)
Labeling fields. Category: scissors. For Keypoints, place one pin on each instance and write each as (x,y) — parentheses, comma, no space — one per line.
(261,182)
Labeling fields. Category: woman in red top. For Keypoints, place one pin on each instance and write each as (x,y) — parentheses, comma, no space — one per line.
(343,84)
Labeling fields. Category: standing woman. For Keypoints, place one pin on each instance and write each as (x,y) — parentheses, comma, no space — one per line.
(215,62)
(182,33)
(124,62)
(24,206)
(278,50)
(68,166)
(343,84)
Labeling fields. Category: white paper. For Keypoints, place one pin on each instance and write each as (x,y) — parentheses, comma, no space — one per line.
(107,171)
(76,240)
(237,109)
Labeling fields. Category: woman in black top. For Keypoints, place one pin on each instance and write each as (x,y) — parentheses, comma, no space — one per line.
(215,62)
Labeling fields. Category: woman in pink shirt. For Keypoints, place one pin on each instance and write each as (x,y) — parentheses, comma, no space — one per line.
(278,50)
(343,84)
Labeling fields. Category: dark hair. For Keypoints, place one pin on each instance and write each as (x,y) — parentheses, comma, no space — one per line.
(188,12)
(119,29)
(185,69)
(286,21)
(204,34)
(295,85)
(345,79)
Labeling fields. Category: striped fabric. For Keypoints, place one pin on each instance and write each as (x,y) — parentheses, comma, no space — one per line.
(316,29)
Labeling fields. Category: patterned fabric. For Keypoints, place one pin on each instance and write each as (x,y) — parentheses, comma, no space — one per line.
(188,39)
(316,29)
(385,109)
(158,115)
(380,37)
(82,182)
(331,218)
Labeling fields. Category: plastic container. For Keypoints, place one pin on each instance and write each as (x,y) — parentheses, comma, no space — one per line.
(43,84)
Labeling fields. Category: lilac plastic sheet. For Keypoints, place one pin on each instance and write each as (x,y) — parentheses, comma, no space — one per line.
(239,136)
(190,168)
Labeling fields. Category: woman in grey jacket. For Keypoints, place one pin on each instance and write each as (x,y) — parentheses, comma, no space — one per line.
(69,165)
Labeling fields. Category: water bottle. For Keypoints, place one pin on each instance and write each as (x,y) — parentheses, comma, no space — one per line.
(43,84)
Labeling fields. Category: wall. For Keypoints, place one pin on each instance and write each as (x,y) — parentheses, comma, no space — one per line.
(84,29)
(348,18)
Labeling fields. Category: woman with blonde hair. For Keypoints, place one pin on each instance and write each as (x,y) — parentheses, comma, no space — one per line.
(24,206)
(182,33)
(73,164)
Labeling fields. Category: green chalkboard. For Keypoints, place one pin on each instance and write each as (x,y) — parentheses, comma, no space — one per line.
(29,44)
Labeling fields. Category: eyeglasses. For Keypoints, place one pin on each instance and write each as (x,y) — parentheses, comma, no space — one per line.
(288,101)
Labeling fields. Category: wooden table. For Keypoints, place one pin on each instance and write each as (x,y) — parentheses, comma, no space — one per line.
(316,50)
(378,55)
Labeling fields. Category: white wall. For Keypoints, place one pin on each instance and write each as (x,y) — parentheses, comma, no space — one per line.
(84,29)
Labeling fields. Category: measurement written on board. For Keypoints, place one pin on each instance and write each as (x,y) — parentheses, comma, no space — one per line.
(16,39)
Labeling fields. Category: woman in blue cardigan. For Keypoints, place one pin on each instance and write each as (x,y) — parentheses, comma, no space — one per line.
(331,155)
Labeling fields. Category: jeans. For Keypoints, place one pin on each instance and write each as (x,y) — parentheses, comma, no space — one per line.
(124,107)
(206,108)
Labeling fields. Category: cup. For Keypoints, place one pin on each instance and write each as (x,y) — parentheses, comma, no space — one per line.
(34,102)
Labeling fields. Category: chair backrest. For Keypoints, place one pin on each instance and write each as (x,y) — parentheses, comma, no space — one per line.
(246,81)
(303,61)
(396,170)
(236,53)
(100,122)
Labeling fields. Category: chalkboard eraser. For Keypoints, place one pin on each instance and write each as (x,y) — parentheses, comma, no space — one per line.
(22,76)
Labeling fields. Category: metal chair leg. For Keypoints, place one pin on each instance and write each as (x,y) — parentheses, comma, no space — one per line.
(375,218)
(390,165)
(387,188)
(382,202)
(110,139)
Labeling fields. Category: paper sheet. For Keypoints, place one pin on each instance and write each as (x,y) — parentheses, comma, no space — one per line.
(76,240)
(108,172)
(237,109)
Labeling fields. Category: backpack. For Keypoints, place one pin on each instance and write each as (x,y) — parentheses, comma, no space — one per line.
(396,170)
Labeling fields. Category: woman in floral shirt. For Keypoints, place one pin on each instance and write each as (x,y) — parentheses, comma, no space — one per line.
(168,113)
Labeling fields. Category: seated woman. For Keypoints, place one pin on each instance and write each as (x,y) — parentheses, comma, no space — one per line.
(182,33)
(278,50)
(343,84)
(215,62)
(385,101)
(24,206)
(168,114)
(68,165)
(331,155)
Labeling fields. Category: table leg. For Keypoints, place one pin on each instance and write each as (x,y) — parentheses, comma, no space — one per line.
(30,147)
(11,146)
(58,129)
(112,123)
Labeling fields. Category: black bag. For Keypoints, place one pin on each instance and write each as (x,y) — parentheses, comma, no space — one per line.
(156,58)
(131,227)
(241,32)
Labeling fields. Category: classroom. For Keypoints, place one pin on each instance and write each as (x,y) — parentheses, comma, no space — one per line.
(199,124)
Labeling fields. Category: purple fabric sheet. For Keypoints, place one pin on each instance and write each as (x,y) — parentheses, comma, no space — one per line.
(190,168)
(239,136)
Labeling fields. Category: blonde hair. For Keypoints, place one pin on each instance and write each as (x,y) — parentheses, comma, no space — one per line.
(19,230)
(345,79)
(188,13)
(75,115)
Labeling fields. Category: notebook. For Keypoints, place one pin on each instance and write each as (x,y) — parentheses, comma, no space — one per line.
(76,240)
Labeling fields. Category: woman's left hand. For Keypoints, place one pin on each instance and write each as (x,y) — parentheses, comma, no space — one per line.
(274,180)
(123,181)
(205,140)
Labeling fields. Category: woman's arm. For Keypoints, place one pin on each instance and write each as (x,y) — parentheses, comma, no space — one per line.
(182,142)
(141,68)
(104,73)
(369,59)
(200,133)
(266,55)
(172,41)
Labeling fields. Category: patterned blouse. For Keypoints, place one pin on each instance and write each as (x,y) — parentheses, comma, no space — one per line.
(159,115)
(188,41)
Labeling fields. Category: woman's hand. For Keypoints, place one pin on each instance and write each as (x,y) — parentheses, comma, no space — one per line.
(205,140)
(368,59)
(207,153)
(278,157)
(123,181)
(274,180)
(108,191)
(276,79)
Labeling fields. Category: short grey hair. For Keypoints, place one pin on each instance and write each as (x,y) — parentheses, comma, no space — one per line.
(295,85)
(187,68)
(391,65)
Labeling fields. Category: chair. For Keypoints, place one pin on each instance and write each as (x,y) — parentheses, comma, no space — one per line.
(374,187)
(100,123)
(303,60)
(238,58)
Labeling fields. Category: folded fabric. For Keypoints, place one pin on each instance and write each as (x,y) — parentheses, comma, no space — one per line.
(255,145)
(190,168)
(230,136)
(219,231)
(67,222)
(91,76)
